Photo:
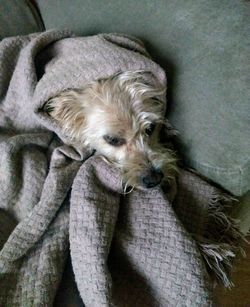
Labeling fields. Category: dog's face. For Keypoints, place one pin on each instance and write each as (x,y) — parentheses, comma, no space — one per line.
(119,117)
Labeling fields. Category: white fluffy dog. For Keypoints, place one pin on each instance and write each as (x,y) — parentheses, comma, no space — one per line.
(120,117)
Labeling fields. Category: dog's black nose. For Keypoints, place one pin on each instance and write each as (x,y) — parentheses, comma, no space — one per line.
(150,178)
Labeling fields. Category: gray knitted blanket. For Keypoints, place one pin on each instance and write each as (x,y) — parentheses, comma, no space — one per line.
(150,248)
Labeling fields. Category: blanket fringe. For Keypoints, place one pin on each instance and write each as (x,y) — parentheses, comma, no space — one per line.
(221,240)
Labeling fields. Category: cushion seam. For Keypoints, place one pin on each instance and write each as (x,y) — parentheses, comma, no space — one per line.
(236,170)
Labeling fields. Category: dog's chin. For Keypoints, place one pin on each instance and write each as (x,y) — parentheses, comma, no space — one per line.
(135,184)
(143,188)
(131,185)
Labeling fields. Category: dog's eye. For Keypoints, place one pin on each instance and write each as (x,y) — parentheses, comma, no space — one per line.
(114,140)
(150,129)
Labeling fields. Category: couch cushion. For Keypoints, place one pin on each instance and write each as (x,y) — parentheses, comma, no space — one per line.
(18,17)
(203,46)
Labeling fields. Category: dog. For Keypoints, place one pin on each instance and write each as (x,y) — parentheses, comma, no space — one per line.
(119,117)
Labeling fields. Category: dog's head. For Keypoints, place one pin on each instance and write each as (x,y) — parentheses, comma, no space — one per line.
(120,117)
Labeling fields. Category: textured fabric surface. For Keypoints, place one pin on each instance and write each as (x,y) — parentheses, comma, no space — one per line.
(204,46)
(18,17)
(126,250)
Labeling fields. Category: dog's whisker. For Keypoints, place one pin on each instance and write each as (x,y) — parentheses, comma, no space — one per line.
(126,191)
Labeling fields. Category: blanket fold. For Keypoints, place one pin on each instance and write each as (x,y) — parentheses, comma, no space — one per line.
(139,249)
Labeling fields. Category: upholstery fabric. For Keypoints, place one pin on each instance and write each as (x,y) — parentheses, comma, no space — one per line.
(18,17)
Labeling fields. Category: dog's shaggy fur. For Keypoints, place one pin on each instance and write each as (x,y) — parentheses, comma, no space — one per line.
(120,117)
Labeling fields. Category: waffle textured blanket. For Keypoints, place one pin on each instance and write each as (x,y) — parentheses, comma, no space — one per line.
(140,249)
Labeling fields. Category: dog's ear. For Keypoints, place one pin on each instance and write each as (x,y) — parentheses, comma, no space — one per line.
(67,109)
